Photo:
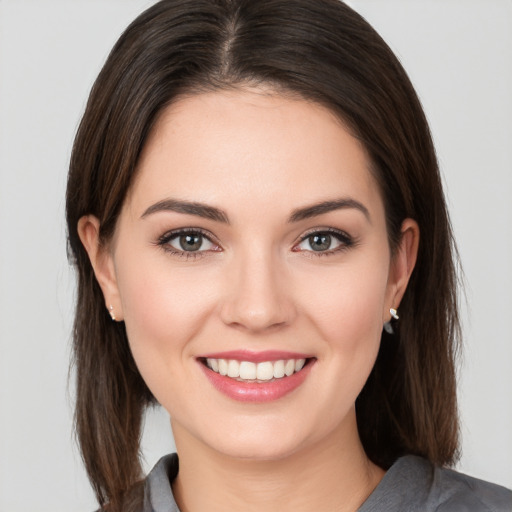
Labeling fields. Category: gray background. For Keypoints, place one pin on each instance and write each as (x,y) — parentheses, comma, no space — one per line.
(459,56)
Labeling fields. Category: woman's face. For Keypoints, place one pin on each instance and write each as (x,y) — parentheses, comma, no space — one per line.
(253,235)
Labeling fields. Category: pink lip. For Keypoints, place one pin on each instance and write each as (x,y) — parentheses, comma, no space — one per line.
(256,357)
(254,391)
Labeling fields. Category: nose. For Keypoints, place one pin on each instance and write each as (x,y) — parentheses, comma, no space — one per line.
(257,296)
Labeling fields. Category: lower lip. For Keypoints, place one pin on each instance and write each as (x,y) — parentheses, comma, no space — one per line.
(254,391)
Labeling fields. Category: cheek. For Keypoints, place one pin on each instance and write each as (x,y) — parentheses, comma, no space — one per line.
(350,321)
(163,308)
(346,305)
(348,317)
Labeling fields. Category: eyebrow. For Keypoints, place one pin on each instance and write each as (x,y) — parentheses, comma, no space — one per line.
(187,207)
(326,207)
(216,214)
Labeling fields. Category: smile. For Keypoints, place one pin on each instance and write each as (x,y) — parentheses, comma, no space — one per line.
(256,377)
(255,372)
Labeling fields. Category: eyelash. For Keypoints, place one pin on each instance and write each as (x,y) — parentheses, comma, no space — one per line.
(164,240)
(346,242)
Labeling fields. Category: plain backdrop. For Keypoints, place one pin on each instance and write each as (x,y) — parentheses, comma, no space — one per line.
(459,56)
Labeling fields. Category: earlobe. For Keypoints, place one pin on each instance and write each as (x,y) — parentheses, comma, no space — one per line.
(102,263)
(403,263)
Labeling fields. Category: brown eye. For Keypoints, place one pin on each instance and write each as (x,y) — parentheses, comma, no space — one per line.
(324,242)
(320,242)
(190,242)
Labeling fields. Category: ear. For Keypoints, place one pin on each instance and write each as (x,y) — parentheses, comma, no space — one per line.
(402,265)
(102,262)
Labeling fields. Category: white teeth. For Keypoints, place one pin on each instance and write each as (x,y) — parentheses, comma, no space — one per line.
(264,371)
(233,368)
(289,367)
(247,370)
(279,369)
(213,364)
(223,367)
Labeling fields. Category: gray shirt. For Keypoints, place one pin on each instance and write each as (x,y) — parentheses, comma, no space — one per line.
(412,484)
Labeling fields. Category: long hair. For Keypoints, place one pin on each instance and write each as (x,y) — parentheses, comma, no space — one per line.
(322,51)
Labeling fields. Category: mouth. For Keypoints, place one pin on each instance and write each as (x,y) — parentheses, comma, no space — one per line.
(262,377)
(249,371)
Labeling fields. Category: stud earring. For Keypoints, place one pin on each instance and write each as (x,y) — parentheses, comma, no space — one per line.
(111,312)
(387,325)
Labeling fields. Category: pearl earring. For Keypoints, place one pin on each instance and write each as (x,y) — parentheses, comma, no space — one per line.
(387,326)
(111,312)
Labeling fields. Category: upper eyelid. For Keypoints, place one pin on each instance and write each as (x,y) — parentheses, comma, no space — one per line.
(332,231)
(212,238)
(346,241)
(180,231)
(318,229)
(163,242)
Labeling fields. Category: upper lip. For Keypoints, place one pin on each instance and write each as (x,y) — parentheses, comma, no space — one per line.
(255,357)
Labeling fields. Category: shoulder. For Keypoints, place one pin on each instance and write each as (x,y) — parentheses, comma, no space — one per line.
(414,484)
(157,490)
(457,491)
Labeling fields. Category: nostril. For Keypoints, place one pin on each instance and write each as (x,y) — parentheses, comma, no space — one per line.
(256,301)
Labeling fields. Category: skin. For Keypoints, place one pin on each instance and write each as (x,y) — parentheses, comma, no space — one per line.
(258,156)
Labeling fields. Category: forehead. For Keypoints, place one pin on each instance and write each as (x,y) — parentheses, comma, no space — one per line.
(258,146)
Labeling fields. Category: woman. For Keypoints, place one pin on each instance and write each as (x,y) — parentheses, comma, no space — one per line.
(253,193)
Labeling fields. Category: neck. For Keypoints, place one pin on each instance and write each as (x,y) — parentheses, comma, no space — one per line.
(332,475)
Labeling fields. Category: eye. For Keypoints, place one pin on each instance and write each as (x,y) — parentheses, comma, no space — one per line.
(326,241)
(190,242)
(187,242)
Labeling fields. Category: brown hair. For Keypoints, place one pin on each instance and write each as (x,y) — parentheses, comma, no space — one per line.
(323,51)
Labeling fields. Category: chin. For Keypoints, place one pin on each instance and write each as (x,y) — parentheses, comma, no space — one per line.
(267,439)
(246,439)
(259,449)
